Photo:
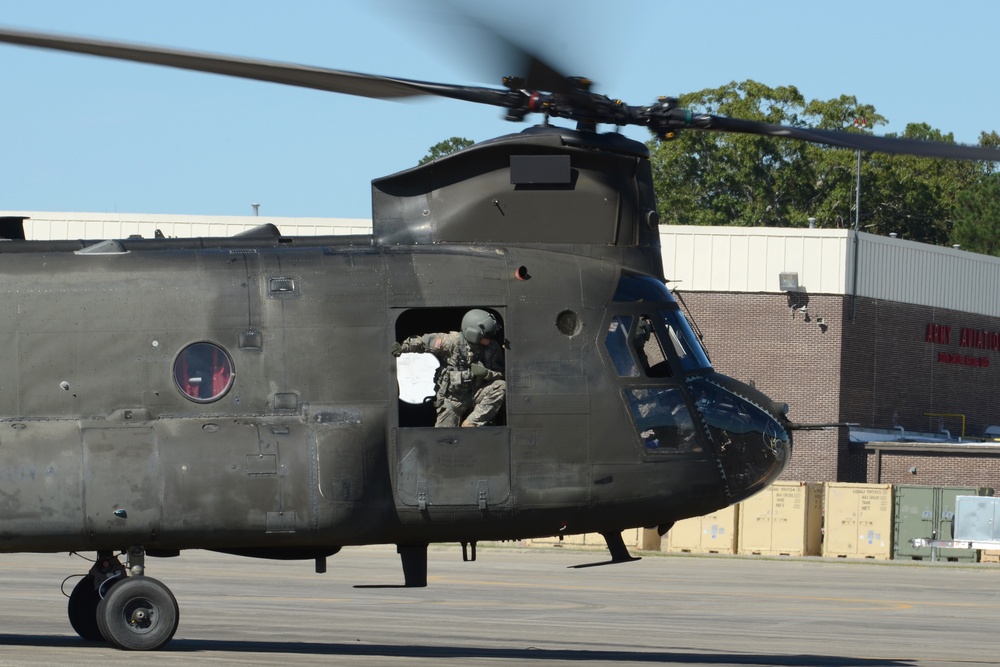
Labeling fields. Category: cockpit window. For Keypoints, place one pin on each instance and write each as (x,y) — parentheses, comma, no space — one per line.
(662,419)
(650,349)
(691,354)
(617,344)
(664,327)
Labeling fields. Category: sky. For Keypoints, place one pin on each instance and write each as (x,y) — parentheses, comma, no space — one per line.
(86,134)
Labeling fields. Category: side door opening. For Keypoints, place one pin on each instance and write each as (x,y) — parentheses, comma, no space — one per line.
(438,462)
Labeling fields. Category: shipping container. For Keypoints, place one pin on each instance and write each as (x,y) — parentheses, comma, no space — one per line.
(928,512)
(858,520)
(651,540)
(684,536)
(784,519)
(714,533)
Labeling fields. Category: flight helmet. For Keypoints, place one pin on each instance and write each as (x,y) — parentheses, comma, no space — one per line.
(478,324)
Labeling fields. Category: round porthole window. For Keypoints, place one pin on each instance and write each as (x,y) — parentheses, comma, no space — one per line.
(568,323)
(203,372)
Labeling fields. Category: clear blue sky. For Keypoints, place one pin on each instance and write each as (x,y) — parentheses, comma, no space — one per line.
(85,134)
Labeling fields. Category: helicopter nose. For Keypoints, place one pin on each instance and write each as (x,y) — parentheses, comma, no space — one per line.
(747,431)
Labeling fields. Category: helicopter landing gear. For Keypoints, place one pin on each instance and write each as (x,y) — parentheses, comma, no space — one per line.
(83,603)
(414,558)
(619,552)
(138,614)
(87,594)
(134,612)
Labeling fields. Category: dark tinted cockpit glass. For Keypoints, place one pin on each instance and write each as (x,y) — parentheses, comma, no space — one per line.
(649,348)
(671,330)
(691,354)
(617,343)
(662,419)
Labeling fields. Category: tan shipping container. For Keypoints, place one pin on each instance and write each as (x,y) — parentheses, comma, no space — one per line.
(684,536)
(858,522)
(784,519)
(713,533)
(651,540)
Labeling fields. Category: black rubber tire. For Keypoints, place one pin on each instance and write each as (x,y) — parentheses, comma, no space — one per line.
(83,603)
(138,614)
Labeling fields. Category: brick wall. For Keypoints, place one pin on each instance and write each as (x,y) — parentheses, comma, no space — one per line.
(891,375)
(936,469)
(759,339)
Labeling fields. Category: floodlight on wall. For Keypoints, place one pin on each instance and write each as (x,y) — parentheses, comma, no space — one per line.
(788,281)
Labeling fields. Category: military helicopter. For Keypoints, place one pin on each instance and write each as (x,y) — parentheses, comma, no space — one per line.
(239,395)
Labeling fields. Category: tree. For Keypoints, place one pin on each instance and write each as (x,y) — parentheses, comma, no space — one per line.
(977,217)
(832,200)
(914,196)
(446,147)
(708,178)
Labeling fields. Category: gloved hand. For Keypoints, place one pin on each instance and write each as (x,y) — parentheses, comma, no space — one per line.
(478,370)
(396,349)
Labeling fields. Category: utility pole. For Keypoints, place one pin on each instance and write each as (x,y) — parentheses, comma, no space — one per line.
(859,123)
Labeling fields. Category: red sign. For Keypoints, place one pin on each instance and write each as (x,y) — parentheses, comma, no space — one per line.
(978,339)
(938,333)
(963,360)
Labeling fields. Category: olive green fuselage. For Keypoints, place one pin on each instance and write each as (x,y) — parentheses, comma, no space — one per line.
(292,439)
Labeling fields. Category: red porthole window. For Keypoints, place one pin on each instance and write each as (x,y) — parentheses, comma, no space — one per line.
(203,372)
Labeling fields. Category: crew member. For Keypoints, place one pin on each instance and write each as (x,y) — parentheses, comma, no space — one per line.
(470,388)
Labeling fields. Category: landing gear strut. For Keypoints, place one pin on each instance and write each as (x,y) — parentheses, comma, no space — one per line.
(414,558)
(133,612)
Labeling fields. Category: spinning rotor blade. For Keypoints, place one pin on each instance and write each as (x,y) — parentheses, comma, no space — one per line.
(852,140)
(565,97)
(336,81)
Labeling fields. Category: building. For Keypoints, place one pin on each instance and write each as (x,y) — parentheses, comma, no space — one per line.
(892,335)
(900,338)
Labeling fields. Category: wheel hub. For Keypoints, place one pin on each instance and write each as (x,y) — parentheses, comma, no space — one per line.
(139,615)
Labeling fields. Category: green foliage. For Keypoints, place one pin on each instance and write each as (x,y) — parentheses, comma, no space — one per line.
(912,196)
(707,178)
(977,217)
(446,147)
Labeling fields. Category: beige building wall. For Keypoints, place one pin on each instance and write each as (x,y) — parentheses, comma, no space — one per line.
(750,259)
(45,225)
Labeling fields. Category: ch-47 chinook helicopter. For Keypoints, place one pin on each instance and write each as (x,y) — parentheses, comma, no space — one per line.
(253,407)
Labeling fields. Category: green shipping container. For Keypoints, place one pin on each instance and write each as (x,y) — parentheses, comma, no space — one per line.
(928,512)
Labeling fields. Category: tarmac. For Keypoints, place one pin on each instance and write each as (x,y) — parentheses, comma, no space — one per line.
(529,606)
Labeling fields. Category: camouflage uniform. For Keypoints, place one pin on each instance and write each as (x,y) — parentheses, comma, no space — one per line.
(462,399)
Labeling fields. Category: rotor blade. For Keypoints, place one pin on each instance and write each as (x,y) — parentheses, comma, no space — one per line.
(853,140)
(337,81)
(505,52)
(491,50)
